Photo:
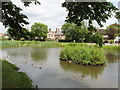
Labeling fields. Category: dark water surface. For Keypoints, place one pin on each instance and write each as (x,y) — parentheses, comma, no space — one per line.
(45,69)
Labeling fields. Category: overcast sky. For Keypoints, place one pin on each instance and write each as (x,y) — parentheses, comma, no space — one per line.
(50,13)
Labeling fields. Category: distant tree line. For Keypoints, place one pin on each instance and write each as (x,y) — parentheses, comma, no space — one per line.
(38,31)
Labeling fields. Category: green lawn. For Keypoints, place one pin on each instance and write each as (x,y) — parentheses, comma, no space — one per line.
(11,78)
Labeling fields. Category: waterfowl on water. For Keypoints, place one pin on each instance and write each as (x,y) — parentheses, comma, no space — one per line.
(40,68)
(83,76)
(36,86)
(74,76)
(69,61)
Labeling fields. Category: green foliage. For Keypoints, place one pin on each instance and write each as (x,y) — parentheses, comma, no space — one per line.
(12,16)
(49,39)
(73,32)
(11,78)
(91,11)
(111,41)
(39,30)
(29,43)
(17,34)
(113,30)
(83,54)
(111,47)
(81,34)
(117,15)
(98,39)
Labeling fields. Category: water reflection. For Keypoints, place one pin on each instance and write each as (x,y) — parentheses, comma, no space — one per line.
(56,73)
(112,57)
(92,71)
(39,56)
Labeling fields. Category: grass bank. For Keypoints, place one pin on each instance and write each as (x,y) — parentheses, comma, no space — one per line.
(37,44)
(29,43)
(11,78)
(83,54)
(111,47)
(8,43)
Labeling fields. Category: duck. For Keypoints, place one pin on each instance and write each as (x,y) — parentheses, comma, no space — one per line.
(74,76)
(69,61)
(83,76)
(40,68)
(36,86)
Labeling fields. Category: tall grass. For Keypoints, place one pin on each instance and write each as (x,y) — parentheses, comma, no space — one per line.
(111,47)
(29,43)
(83,54)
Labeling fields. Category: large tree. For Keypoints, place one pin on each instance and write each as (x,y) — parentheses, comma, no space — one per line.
(74,32)
(81,33)
(91,11)
(12,16)
(39,30)
(15,34)
(14,19)
(113,30)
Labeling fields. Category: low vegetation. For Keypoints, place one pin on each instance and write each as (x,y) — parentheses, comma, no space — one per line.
(11,78)
(111,47)
(83,54)
(8,43)
(29,43)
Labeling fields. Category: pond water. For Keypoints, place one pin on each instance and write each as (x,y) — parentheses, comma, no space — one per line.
(45,69)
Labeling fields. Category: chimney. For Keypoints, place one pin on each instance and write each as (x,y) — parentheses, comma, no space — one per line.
(57,30)
(49,29)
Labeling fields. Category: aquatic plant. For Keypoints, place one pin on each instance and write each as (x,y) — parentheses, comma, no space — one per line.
(83,54)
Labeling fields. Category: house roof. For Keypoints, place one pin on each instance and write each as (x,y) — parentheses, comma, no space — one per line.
(59,33)
(1,34)
(102,31)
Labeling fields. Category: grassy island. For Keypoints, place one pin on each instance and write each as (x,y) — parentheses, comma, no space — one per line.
(83,54)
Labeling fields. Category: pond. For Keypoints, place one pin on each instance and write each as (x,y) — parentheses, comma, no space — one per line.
(45,69)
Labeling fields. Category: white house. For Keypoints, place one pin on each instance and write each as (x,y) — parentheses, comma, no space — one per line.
(55,34)
(117,39)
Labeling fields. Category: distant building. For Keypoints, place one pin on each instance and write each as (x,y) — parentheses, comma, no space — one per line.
(117,39)
(56,35)
(1,34)
(103,32)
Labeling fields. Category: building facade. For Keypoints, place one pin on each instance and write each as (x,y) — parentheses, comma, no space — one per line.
(56,35)
(1,34)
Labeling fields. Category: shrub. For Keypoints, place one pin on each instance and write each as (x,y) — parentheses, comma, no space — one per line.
(49,39)
(111,47)
(65,40)
(83,54)
(111,41)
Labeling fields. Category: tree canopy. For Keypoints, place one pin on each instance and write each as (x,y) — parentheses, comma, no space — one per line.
(18,34)
(73,32)
(39,30)
(113,30)
(91,11)
(12,16)
(81,33)
(117,15)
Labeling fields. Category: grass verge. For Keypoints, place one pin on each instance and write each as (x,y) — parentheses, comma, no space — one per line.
(11,78)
